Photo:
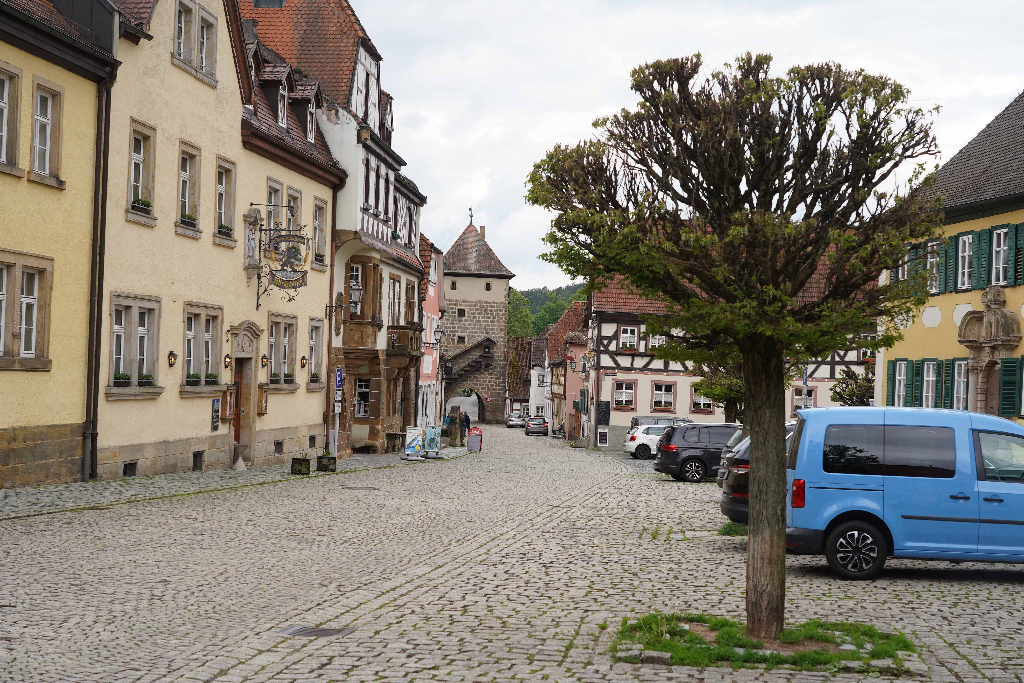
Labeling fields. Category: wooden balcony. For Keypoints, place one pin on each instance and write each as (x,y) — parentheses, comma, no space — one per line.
(361,334)
(405,339)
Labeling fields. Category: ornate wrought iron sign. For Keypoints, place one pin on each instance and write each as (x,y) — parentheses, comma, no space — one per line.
(277,258)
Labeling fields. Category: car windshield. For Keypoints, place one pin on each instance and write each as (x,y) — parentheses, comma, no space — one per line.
(736,438)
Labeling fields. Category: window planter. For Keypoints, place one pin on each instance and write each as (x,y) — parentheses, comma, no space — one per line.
(145,380)
(319,258)
(225,231)
(212,379)
(627,349)
(122,382)
(300,465)
(193,380)
(187,221)
(275,378)
(314,378)
(326,463)
(289,378)
(145,209)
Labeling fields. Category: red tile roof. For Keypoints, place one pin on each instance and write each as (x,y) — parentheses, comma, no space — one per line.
(571,321)
(427,248)
(620,297)
(136,12)
(471,255)
(321,37)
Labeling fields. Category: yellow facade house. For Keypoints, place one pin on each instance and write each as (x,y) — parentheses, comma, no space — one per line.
(964,350)
(221,190)
(54,80)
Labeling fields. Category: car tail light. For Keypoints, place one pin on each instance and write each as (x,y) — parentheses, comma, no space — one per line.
(671,447)
(740,495)
(797,500)
(739,469)
(633,438)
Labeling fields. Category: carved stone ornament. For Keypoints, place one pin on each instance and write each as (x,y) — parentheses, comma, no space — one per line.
(994,332)
(253,221)
(245,339)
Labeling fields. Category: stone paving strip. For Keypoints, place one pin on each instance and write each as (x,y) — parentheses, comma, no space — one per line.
(518,563)
(52,498)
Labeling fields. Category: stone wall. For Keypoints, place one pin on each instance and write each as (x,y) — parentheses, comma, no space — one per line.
(483,319)
(40,454)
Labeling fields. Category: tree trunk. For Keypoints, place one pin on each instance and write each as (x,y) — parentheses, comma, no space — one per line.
(765,408)
(730,411)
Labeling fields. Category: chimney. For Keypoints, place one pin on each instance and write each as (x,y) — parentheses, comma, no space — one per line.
(483,232)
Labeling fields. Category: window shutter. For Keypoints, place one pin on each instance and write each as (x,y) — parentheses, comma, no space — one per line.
(951,263)
(908,385)
(947,384)
(982,256)
(918,382)
(1011,256)
(940,250)
(890,381)
(1018,253)
(1009,374)
(938,382)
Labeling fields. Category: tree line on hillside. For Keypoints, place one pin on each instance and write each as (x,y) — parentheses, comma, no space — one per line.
(531,310)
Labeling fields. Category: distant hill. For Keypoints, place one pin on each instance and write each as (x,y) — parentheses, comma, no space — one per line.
(539,297)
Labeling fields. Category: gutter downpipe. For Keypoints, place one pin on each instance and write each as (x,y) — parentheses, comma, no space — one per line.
(99,238)
(332,311)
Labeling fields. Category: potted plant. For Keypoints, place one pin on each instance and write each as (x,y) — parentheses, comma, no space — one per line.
(188,220)
(225,231)
(289,378)
(212,378)
(627,348)
(145,380)
(275,378)
(300,465)
(314,377)
(319,257)
(326,463)
(122,379)
(142,206)
(192,379)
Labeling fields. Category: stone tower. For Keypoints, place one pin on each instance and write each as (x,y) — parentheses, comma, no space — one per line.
(476,290)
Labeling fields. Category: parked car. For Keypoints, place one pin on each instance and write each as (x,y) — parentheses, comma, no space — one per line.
(537,425)
(735,473)
(515,420)
(735,441)
(641,420)
(692,451)
(865,484)
(642,441)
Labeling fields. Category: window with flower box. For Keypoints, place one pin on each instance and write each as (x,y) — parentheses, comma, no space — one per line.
(202,365)
(282,349)
(134,346)
(625,395)
(663,396)
(187,222)
(25,291)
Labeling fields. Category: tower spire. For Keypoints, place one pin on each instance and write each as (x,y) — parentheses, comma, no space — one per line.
(471,215)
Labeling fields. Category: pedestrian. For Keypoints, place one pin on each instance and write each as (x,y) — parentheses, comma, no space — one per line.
(466,421)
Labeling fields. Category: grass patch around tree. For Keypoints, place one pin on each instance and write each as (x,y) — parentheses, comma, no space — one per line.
(702,640)
(731,528)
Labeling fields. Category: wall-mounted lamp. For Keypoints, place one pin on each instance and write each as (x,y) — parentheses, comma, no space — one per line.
(303,361)
(172,358)
(437,335)
(264,361)
(227,360)
(572,364)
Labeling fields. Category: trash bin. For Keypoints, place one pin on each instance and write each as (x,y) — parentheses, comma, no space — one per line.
(474,440)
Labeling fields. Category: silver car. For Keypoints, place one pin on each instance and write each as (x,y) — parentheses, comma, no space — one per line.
(515,420)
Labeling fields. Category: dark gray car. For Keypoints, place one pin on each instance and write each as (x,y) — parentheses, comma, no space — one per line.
(537,425)
(693,451)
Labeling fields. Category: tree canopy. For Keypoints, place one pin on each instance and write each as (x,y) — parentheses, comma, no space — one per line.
(762,209)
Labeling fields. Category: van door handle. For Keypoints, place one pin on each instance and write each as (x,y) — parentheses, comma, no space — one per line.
(960,496)
(993,500)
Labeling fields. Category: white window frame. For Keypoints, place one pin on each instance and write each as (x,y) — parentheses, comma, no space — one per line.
(355,277)
(660,394)
(190,344)
(628,336)
(1000,254)
(142,318)
(185,179)
(362,407)
(3,305)
(933,268)
(117,341)
(964,265)
(394,302)
(138,178)
(42,128)
(5,103)
(272,349)
(803,397)
(201,54)
(701,404)
(960,385)
(208,361)
(29,314)
(900,390)
(273,204)
(294,210)
(282,105)
(656,341)
(624,395)
(928,384)
(222,196)
(179,34)
(319,234)
(311,124)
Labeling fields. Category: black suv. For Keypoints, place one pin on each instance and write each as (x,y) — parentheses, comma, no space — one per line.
(735,502)
(692,451)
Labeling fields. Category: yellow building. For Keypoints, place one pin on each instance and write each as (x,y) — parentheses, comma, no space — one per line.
(963,351)
(221,193)
(54,80)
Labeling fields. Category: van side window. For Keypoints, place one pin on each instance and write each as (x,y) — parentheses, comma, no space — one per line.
(1001,456)
(794,445)
(920,452)
(852,449)
(690,436)
(721,434)
(704,435)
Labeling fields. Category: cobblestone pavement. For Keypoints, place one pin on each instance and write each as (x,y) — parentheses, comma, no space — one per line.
(490,567)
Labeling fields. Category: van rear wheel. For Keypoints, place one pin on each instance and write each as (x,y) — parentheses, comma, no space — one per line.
(856,550)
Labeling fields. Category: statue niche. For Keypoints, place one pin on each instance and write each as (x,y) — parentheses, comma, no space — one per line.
(989,335)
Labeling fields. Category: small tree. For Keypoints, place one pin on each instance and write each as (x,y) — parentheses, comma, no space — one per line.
(723,385)
(520,320)
(853,388)
(755,207)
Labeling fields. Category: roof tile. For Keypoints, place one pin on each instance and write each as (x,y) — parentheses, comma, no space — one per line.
(471,255)
(619,296)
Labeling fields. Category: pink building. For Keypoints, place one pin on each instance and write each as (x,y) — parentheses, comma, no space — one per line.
(430,391)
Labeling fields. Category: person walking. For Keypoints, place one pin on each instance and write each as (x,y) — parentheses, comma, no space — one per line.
(466,421)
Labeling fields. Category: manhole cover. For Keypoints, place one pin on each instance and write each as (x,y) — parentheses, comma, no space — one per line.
(361,488)
(313,632)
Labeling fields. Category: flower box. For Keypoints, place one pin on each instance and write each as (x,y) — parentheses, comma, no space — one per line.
(300,465)
(319,258)
(193,379)
(627,349)
(187,220)
(212,382)
(145,209)
(289,378)
(122,382)
(326,463)
(275,378)
(145,382)
(314,378)
(225,231)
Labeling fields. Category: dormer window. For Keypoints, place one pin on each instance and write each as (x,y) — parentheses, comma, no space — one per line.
(282,106)
(311,124)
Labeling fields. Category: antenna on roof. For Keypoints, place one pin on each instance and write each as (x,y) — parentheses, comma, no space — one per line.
(471,215)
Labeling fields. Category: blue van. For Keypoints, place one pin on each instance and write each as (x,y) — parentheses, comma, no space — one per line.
(865,484)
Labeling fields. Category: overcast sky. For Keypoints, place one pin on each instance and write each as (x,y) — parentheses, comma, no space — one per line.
(483,89)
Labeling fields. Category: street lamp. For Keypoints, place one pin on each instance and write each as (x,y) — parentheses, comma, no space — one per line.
(172,358)
(227,360)
(437,335)
(572,365)
(355,297)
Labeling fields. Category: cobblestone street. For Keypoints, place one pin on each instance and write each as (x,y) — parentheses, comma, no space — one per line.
(494,566)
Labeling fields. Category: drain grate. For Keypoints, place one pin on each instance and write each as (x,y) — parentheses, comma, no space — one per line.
(313,632)
(361,488)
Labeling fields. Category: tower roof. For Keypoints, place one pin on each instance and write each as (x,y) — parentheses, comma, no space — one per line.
(471,255)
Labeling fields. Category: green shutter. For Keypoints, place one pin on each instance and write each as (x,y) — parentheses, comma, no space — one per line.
(1009,380)
(890,381)
(938,382)
(908,384)
(1011,256)
(1018,254)
(947,384)
(982,255)
(918,381)
(940,250)
(951,262)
